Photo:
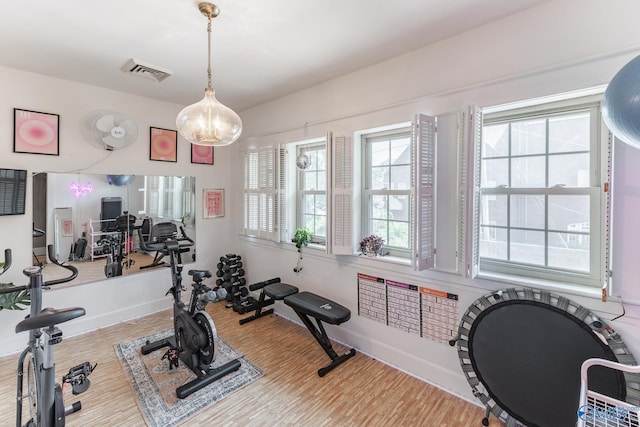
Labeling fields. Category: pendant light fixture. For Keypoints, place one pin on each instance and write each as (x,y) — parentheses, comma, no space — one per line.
(209,122)
(303,161)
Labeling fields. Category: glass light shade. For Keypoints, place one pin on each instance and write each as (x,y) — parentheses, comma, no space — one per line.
(209,122)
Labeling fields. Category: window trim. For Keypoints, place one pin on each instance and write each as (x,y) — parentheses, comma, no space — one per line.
(299,186)
(402,130)
(600,152)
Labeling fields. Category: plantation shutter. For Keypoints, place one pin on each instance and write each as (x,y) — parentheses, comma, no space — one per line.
(268,193)
(424,131)
(261,193)
(281,208)
(447,225)
(472,215)
(251,193)
(328,197)
(342,196)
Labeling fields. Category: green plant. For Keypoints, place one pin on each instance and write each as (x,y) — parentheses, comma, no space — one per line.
(14,300)
(301,238)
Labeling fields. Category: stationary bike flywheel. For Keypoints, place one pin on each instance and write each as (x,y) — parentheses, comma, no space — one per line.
(207,352)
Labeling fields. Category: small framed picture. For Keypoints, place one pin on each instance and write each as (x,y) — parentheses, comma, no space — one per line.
(213,203)
(201,154)
(163,145)
(35,132)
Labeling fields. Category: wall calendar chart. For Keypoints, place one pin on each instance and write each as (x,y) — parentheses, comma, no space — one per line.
(425,312)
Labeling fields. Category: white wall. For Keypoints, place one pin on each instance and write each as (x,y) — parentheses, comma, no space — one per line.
(113,300)
(560,46)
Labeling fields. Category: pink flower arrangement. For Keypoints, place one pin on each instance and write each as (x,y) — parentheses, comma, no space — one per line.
(371,244)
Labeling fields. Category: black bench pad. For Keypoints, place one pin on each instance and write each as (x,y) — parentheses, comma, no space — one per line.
(279,290)
(318,307)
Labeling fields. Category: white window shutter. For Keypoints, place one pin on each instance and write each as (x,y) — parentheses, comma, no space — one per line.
(268,193)
(281,206)
(329,198)
(251,194)
(424,133)
(472,215)
(261,194)
(342,196)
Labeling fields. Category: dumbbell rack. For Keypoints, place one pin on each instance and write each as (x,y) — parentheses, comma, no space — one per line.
(231,277)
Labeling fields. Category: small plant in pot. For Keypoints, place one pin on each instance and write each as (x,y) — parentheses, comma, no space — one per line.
(371,245)
(301,238)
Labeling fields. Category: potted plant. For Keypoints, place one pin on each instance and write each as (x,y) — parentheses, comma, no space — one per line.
(371,245)
(301,238)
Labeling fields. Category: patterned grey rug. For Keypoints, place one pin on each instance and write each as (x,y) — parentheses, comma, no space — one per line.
(154,384)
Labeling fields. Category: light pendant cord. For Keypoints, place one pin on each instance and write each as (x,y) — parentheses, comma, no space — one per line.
(209,50)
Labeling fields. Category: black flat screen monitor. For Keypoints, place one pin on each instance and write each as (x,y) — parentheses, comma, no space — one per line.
(110,209)
(13,191)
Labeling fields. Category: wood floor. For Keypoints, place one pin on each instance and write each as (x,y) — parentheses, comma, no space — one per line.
(361,392)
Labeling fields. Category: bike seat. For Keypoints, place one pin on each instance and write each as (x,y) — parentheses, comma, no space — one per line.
(198,275)
(49,317)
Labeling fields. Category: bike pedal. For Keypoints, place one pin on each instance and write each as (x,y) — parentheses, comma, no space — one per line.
(173,356)
(77,377)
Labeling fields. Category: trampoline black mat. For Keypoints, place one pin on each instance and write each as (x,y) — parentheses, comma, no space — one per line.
(528,356)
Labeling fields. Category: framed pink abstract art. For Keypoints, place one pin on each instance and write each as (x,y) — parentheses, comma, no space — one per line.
(201,154)
(213,203)
(163,145)
(35,132)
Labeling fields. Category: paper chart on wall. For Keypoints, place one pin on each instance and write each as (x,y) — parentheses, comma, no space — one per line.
(425,312)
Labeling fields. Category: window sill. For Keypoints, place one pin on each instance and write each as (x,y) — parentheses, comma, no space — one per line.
(386,258)
(547,285)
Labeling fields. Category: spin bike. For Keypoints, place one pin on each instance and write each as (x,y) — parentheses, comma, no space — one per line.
(117,257)
(45,397)
(194,339)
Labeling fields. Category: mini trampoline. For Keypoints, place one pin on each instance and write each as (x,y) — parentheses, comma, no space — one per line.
(521,351)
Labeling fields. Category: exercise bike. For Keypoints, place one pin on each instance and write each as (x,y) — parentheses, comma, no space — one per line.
(194,339)
(117,246)
(45,397)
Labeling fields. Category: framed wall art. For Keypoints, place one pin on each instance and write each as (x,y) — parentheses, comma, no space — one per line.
(201,154)
(213,203)
(35,132)
(163,145)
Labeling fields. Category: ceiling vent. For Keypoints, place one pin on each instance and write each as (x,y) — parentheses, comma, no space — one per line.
(148,71)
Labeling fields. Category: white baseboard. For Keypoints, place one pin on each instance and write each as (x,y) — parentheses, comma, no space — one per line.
(16,343)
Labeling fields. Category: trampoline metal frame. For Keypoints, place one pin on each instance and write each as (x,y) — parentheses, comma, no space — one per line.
(598,326)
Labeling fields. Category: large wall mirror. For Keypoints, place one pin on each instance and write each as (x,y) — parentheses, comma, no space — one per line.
(78,214)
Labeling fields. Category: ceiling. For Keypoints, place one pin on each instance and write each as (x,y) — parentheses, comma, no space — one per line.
(262,50)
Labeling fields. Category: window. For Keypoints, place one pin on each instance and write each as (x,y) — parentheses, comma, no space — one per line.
(279,197)
(387,193)
(541,204)
(312,191)
(170,197)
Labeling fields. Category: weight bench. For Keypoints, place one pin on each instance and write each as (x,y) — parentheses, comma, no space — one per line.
(306,305)
(272,289)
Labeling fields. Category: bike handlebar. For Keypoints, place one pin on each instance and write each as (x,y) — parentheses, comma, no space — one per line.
(7,261)
(167,243)
(71,268)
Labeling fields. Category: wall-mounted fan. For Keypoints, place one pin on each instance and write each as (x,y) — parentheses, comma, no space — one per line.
(109,130)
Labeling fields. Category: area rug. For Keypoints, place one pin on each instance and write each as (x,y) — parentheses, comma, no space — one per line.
(154,384)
